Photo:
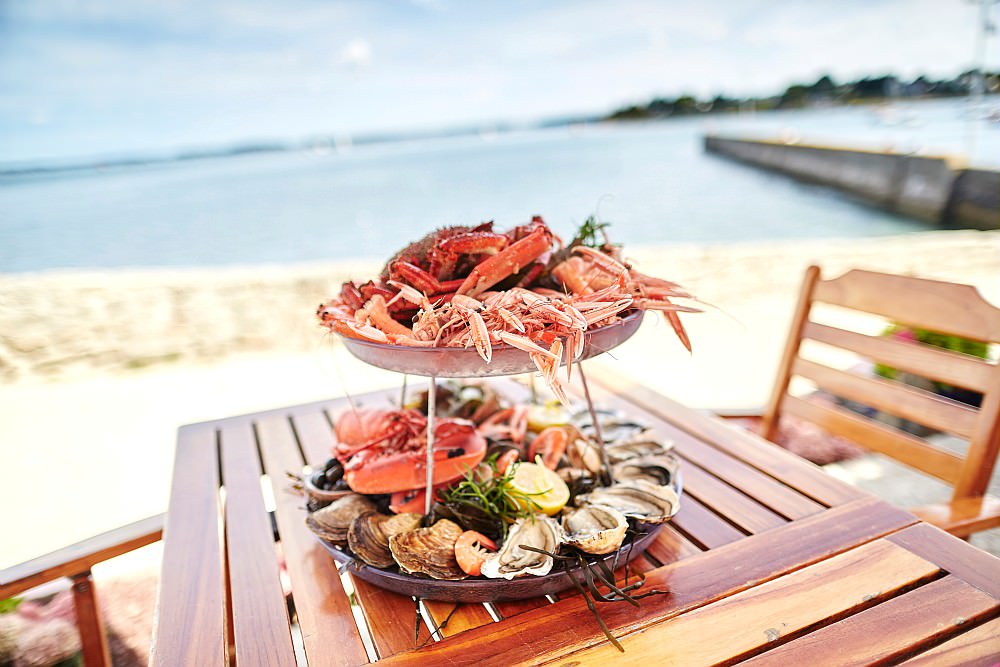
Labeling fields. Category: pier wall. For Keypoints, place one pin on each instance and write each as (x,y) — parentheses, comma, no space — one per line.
(927,188)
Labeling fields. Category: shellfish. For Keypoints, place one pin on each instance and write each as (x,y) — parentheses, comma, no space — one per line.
(332,522)
(429,551)
(368,535)
(660,469)
(596,529)
(512,560)
(637,498)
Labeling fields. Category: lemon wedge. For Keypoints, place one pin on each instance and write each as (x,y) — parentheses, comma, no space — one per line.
(540,417)
(539,489)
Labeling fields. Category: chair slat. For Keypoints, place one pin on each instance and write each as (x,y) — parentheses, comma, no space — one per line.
(190,619)
(949,308)
(961,559)
(893,397)
(901,446)
(952,368)
(322,606)
(260,619)
(895,628)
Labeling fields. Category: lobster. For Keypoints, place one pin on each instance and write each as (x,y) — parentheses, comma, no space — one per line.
(385,451)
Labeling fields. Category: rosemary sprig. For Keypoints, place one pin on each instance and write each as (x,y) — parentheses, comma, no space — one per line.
(493,494)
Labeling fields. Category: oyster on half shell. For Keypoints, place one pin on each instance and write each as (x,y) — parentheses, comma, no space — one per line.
(660,469)
(429,551)
(331,522)
(512,560)
(636,498)
(369,535)
(596,529)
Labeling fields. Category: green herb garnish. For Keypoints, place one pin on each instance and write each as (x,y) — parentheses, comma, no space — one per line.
(491,494)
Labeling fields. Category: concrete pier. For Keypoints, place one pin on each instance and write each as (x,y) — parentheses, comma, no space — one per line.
(932,189)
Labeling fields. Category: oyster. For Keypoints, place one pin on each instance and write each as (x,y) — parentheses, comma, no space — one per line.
(636,498)
(512,560)
(614,425)
(641,443)
(660,469)
(368,535)
(331,522)
(429,551)
(596,529)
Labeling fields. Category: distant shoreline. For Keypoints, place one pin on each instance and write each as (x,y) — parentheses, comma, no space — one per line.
(333,142)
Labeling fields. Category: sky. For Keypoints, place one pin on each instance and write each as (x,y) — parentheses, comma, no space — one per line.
(104,78)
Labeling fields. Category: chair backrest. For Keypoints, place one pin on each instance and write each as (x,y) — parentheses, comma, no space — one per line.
(942,307)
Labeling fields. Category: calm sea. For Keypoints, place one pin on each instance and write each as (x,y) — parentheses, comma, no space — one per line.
(652,181)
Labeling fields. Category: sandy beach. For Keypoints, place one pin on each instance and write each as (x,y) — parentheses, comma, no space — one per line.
(100,368)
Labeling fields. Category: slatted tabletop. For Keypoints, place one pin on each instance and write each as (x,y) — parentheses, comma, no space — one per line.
(769,561)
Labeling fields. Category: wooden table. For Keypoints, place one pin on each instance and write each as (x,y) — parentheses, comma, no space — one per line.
(769,561)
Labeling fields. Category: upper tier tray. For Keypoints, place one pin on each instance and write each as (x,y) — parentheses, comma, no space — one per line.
(457,362)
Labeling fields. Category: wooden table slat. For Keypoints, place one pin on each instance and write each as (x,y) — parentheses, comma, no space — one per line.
(703,526)
(749,620)
(979,647)
(670,546)
(391,619)
(766,490)
(465,617)
(260,618)
(692,582)
(775,461)
(890,630)
(972,565)
(723,499)
(315,436)
(320,601)
(190,619)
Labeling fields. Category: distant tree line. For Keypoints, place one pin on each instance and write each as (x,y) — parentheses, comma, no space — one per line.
(824,92)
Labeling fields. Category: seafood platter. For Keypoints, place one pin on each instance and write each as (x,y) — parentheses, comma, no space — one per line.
(465,496)
(520,504)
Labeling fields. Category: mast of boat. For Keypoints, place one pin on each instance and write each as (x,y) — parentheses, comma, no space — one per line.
(977,83)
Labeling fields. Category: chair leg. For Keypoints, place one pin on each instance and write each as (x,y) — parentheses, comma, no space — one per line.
(93,637)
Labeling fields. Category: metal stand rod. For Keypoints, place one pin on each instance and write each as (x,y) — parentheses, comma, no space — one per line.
(605,464)
(402,393)
(431,407)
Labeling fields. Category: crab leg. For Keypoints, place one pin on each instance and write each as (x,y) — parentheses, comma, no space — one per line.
(509,260)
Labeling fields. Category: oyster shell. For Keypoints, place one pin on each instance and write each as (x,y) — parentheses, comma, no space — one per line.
(512,561)
(615,426)
(660,469)
(596,529)
(641,443)
(429,551)
(368,535)
(331,522)
(636,498)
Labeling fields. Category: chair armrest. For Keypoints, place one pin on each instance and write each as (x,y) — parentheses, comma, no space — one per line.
(964,516)
(80,557)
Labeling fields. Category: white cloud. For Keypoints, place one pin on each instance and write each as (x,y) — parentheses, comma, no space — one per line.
(357,53)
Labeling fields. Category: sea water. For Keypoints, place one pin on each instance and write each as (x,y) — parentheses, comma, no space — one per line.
(651,180)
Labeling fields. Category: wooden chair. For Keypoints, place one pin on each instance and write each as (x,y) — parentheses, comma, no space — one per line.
(75,562)
(942,307)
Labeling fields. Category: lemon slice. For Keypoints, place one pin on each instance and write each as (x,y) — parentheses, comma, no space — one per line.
(541,488)
(540,417)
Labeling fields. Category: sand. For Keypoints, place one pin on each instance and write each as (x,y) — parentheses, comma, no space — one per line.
(100,368)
